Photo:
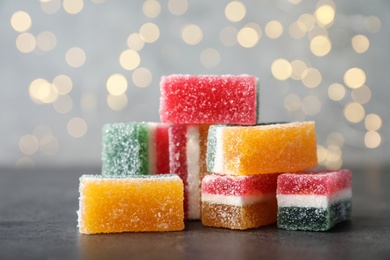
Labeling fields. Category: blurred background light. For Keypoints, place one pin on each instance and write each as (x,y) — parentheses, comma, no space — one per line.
(71,66)
(21,21)
(235,11)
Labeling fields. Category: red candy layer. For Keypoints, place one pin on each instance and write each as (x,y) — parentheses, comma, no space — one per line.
(208,99)
(314,182)
(162,149)
(239,185)
(178,159)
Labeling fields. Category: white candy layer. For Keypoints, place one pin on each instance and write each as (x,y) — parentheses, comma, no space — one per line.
(313,201)
(193,168)
(218,160)
(237,200)
(151,127)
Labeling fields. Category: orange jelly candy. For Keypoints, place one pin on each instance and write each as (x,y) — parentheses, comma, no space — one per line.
(239,202)
(132,203)
(261,149)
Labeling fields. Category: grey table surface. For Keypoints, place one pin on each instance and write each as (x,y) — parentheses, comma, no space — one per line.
(38,221)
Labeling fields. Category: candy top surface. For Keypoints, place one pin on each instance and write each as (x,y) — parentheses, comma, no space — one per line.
(324,182)
(209,99)
(149,125)
(156,177)
(239,185)
(264,126)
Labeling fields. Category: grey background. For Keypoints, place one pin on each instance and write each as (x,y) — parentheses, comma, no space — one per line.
(101,30)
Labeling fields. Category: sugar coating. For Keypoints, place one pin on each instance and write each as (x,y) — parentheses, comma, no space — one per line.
(261,149)
(314,200)
(239,202)
(209,99)
(239,185)
(324,182)
(135,148)
(239,217)
(187,149)
(130,204)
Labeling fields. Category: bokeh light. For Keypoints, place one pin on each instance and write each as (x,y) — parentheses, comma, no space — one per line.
(354,112)
(177,7)
(312,78)
(273,29)
(373,24)
(117,103)
(325,15)
(46,41)
(129,59)
(354,78)
(21,21)
(28,144)
(73,6)
(63,84)
(336,92)
(77,127)
(235,11)
(321,154)
(149,32)
(372,139)
(151,8)
(24,163)
(248,37)
(50,6)
(281,69)
(360,43)
(116,84)
(191,34)
(373,122)
(75,57)
(299,69)
(135,42)
(41,91)
(26,42)
(142,77)
(320,45)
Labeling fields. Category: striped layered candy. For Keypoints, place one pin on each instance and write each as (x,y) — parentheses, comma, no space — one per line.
(239,202)
(135,148)
(132,203)
(209,99)
(315,200)
(261,149)
(187,149)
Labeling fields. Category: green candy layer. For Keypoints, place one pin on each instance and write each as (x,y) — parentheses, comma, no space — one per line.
(314,219)
(211,147)
(125,149)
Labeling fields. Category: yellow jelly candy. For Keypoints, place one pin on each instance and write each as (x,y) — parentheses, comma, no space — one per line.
(132,203)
